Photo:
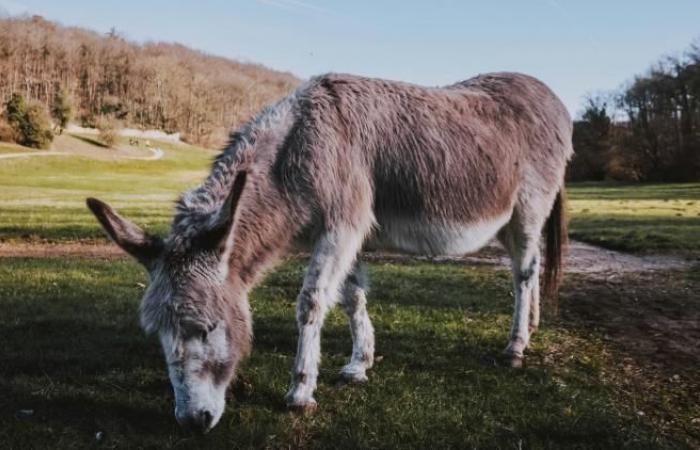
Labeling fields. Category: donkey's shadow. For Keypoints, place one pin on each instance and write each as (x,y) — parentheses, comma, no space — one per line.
(76,374)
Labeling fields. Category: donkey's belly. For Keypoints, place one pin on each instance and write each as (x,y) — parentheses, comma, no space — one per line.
(426,238)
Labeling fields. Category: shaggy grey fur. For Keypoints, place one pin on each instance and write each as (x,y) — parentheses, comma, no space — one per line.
(346,162)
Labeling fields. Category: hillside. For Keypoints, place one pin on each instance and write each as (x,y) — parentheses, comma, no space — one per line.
(154,85)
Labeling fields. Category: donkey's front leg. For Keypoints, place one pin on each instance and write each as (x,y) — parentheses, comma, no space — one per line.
(332,259)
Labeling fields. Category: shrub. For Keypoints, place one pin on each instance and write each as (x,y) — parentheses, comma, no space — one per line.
(7,133)
(15,110)
(30,122)
(108,131)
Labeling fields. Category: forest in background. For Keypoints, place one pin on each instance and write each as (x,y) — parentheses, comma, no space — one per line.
(648,130)
(151,86)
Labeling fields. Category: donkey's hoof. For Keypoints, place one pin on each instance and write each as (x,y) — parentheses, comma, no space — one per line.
(516,362)
(303,408)
(352,378)
(513,359)
(353,374)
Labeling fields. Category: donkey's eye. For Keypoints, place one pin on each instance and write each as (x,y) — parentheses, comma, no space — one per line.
(203,335)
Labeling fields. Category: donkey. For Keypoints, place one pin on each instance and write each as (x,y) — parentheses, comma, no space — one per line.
(341,164)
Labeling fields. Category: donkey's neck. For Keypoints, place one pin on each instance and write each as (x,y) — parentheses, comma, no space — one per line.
(265,228)
(265,220)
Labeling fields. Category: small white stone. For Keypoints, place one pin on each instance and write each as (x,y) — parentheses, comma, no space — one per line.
(25,413)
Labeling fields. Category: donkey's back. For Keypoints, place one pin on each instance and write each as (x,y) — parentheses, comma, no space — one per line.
(441,170)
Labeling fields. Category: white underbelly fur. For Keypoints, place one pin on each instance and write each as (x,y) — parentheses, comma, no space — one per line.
(425,238)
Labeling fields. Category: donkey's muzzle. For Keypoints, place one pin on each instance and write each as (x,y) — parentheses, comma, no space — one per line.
(198,422)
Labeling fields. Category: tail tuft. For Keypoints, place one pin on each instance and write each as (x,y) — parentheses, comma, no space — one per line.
(556,242)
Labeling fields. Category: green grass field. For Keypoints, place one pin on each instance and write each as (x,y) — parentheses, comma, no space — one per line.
(73,354)
(42,198)
(74,362)
(638,218)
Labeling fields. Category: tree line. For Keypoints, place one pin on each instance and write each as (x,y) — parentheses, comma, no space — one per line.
(649,130)
(104,77)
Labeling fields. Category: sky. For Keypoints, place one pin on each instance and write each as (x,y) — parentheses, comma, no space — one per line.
(578,47)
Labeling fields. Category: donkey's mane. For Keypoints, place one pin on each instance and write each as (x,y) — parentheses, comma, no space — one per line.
(196,208)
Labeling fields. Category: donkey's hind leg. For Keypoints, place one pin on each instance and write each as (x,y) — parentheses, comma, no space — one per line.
(355,305)
(333,257)
(521,238)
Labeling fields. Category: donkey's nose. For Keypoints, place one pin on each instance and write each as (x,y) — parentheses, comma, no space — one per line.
(199,422)
(205,418)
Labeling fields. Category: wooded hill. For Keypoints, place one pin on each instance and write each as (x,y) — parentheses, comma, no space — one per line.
(154,85)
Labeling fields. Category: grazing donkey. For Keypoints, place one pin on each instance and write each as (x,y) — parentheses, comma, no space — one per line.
(341,163)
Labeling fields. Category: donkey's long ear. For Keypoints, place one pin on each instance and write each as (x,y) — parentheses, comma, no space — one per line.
(219,231)
(129,236)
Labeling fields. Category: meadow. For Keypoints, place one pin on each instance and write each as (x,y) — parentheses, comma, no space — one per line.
(643,218)
(77,372)
(43,198)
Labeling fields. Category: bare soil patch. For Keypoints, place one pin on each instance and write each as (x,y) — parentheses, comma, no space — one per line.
(581,258)
(650,322)
(654,316)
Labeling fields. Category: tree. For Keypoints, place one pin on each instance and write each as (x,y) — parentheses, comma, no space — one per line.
(656,136)
(30,121)
(62,110)
(591,141)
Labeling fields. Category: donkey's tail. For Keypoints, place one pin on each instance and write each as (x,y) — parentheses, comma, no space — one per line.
(556,241)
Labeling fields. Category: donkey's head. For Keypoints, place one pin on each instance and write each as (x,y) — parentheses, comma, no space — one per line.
(201,318)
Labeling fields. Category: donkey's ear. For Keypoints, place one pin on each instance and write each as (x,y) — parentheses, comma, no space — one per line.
(129,236)
(222,223)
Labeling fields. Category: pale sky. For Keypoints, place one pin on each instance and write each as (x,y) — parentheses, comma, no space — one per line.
(577,47)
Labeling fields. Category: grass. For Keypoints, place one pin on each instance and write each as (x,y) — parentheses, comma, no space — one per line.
(14,148)
(44,198)
(74,362)
(74,355)
(636,217)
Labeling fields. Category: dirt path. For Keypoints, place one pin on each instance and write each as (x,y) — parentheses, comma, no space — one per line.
(28,154)
(40,250)
(156,154)
(582,258)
